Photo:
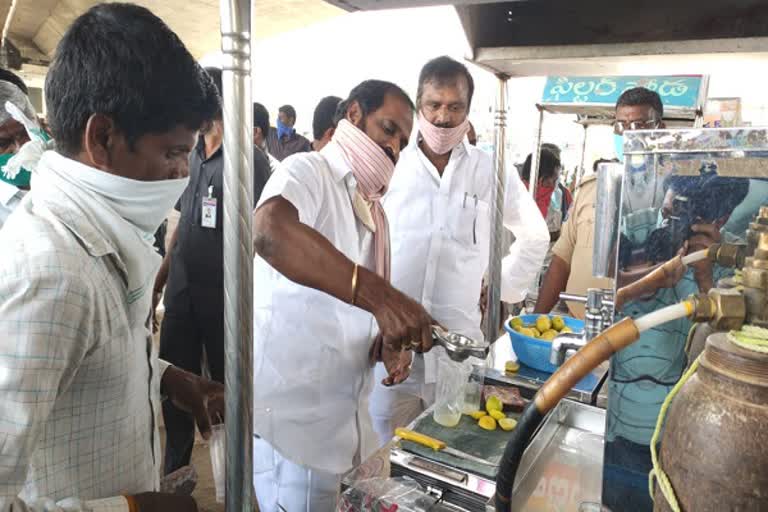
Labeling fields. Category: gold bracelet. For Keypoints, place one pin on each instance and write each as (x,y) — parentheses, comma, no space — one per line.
(354,284)
(132,505)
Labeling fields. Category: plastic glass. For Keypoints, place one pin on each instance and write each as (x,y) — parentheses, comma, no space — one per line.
(473,387)
(452,377)
(217,444)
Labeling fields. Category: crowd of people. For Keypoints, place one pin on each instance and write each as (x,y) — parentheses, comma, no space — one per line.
(366,237)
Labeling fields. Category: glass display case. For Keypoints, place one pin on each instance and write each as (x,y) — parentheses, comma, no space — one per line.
(683,190)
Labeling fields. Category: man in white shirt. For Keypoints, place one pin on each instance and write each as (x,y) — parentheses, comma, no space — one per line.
(439,209)
(321,294)
(13,135)
(80,382)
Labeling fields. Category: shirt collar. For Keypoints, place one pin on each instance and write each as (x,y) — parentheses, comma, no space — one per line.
(8,192)
(464,147)
(200,148)
(414,151)
(338,165)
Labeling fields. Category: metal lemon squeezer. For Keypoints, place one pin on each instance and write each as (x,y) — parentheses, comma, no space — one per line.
(457,346)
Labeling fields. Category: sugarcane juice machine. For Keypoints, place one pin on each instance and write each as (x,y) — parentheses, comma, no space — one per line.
(713,453)
(678,184)
(673,180)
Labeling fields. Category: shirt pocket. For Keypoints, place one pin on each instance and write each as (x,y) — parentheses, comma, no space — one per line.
(470,222)
(585,225)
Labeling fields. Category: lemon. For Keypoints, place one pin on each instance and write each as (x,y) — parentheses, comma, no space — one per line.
(497,415)
(478,414)
(549,335)
(511,367)
(525,331)
(487,423)
(566,329)
(507,424)
(493,404)
(516,323)
(543,323)
(558,323)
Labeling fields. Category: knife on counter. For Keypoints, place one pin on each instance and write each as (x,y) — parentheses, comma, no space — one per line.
(439,446)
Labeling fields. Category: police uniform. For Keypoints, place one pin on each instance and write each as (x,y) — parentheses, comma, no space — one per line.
(575,244)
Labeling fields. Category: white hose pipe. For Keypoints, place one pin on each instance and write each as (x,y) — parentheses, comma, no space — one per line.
(695,257)
(664,315)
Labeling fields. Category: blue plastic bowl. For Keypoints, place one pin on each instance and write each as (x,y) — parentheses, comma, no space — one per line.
(535,353)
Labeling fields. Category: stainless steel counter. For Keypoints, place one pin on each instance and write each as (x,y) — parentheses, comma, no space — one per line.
(561,468)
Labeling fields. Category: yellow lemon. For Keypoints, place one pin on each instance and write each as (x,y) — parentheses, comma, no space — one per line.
(487,423)
(511,367)
(543,323)
(516,323)
(507,424)
(497,415)
(493,404)
(478,414)
(549,335)
(566,329)
(558,323)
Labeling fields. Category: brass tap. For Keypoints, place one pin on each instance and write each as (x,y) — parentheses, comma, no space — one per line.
(760,225)
(755,278)
(730,309)
(703,308)
(723,309)
(727,255)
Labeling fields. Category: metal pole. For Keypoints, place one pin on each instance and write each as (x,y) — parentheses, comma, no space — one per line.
(535,160)
(582,170)
(607,220)
(238,251)
(497,218)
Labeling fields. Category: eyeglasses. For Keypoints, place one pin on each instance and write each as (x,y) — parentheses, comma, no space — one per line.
(620,127)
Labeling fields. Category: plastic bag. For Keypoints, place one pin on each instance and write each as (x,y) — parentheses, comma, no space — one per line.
(386,495)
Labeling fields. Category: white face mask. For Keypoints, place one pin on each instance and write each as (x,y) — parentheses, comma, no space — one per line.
(442,140)
(144,204)
(126,212)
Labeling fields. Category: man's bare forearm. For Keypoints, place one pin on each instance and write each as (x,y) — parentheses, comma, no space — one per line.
(306,257)
(555,281)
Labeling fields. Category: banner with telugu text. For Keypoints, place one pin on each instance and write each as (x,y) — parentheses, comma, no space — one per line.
(675,91)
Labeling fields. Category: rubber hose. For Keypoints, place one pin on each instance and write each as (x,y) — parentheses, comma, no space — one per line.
(527,424)
(605,344)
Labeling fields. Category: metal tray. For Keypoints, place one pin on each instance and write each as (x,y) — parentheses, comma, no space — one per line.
(563,466)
